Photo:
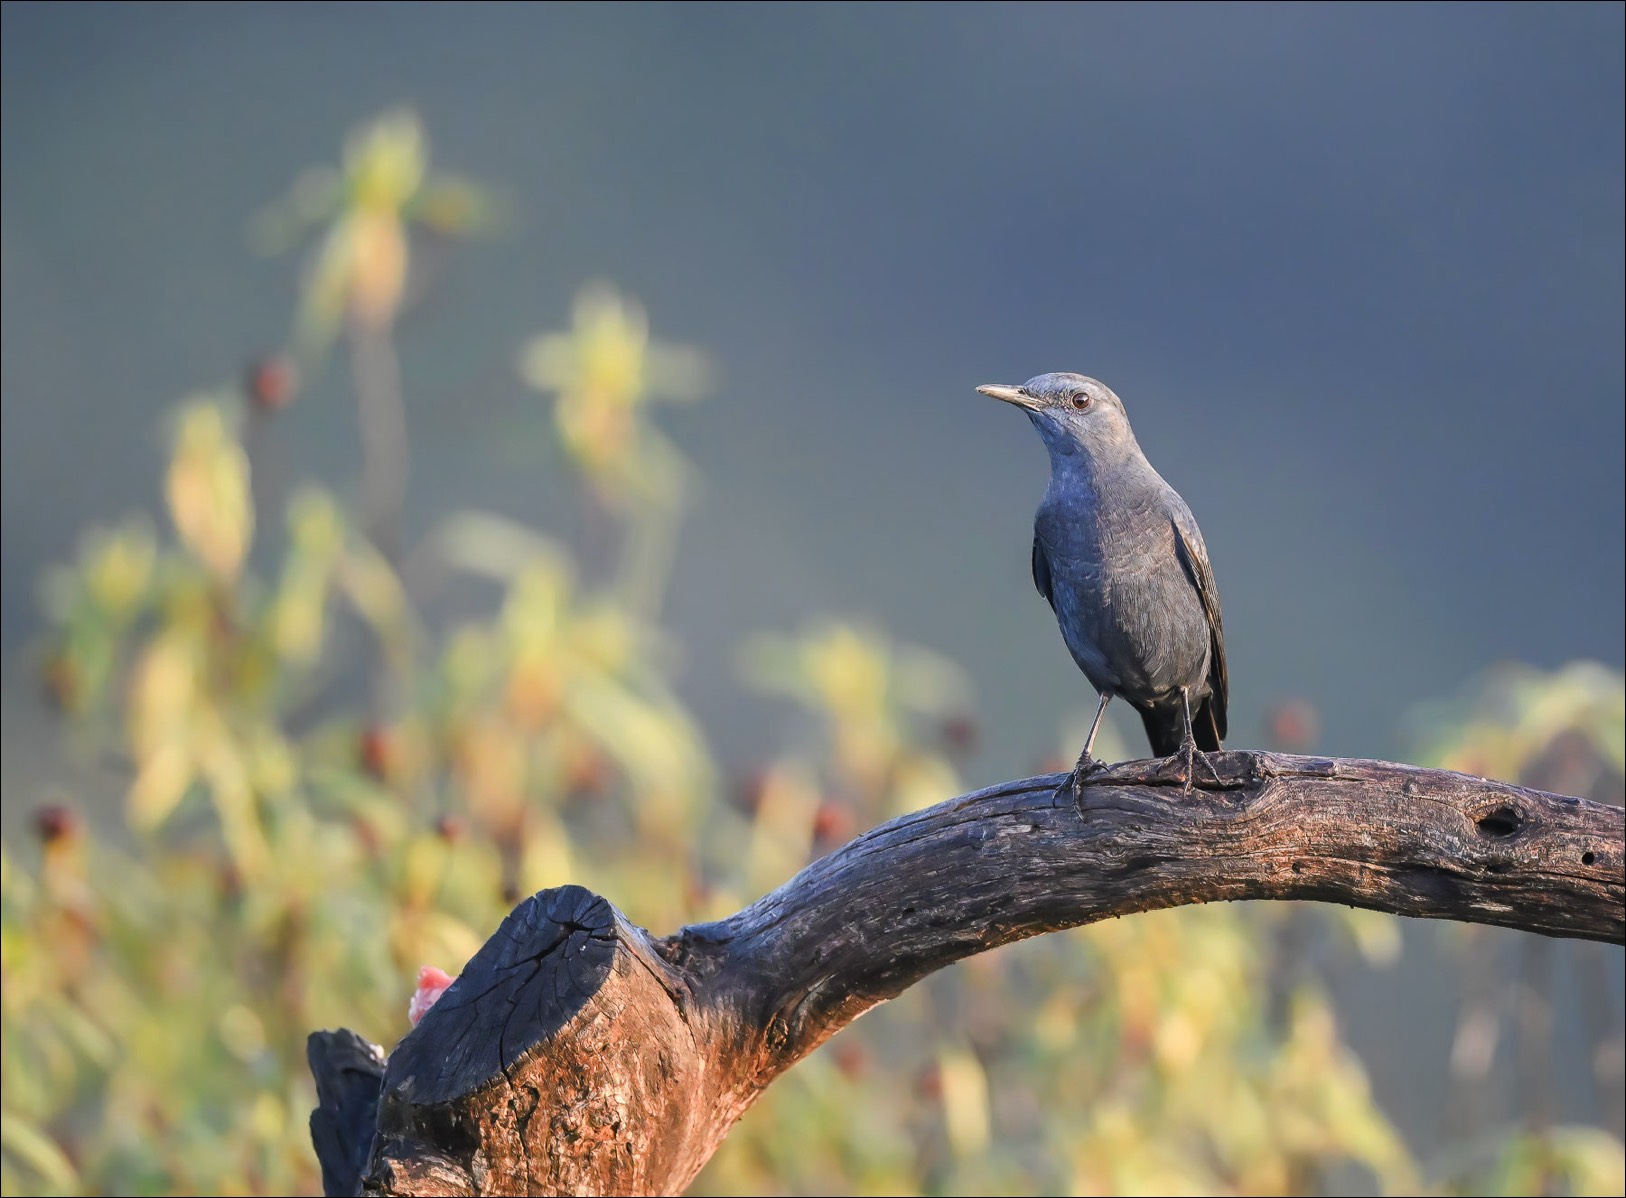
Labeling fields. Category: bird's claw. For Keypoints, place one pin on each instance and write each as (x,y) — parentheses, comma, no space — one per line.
(1193,755)
(1073,788)
(1069,791)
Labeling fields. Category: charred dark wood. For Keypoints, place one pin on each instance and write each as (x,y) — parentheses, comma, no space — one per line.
(349,1073)
(578,1054)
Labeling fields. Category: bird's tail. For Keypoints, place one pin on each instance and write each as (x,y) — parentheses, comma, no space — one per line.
(1166,728)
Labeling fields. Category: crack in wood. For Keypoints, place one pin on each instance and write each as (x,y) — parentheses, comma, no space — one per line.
(639,1053)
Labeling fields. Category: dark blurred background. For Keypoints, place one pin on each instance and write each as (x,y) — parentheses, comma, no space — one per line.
(1356,272)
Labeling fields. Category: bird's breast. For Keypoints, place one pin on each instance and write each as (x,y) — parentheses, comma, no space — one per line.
(1127,609)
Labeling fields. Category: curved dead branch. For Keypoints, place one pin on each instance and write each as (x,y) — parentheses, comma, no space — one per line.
(578,1054)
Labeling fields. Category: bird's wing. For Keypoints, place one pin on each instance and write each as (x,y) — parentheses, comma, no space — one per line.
(1041,571)
(1194,557)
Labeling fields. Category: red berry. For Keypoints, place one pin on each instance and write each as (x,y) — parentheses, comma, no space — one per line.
(55,823)
(1293,724)
(375,751)
(960,733)
(851,1058)
(929,1083)
(61,682)
(834,823)
(272,382)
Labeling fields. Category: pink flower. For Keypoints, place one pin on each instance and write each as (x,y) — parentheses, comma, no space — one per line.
(432,984)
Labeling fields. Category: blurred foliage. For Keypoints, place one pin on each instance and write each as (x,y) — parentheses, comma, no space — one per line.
(291,852)
(606,371)
(363,210)
(1559,731)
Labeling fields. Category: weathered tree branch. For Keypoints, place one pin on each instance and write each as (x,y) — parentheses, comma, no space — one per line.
(577,1054)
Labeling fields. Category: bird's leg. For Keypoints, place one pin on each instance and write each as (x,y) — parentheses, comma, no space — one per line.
(1189,744)
(1085,761)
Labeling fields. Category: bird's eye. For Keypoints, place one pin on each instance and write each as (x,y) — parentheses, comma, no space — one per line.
(1080,401)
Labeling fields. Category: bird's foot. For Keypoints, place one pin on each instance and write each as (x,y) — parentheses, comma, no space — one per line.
(1193,755)
(1073,788)
(1070,791)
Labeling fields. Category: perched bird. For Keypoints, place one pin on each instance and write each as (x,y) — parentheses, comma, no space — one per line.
(1118,555)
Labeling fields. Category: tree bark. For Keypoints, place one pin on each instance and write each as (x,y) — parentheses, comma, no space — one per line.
(577,1054)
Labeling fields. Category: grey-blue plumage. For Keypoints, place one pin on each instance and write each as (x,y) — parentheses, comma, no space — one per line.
(1120,559)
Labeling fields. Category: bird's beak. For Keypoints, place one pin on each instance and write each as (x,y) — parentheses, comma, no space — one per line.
(1013,395)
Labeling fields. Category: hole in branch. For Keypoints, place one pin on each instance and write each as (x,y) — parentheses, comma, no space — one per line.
(1587,858)
(1504,821)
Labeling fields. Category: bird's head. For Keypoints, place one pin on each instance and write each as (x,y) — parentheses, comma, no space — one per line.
(1073,413)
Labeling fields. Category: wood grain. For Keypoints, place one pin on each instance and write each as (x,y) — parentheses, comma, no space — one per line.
(578,1054)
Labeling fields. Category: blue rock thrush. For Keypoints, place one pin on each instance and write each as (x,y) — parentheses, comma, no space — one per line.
(1118,555)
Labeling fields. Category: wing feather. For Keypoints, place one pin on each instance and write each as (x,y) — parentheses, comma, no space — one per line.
(1194,557)
(1041,572)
